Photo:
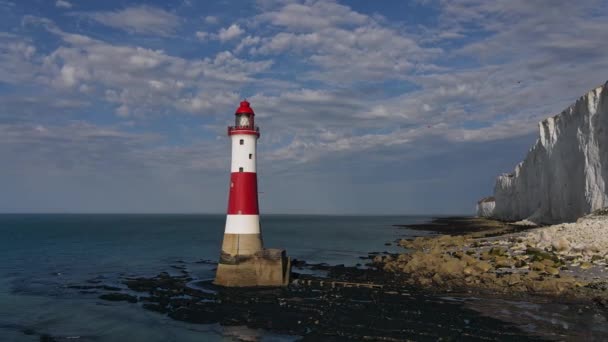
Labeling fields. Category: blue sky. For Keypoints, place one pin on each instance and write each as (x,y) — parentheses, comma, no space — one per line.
(365,107)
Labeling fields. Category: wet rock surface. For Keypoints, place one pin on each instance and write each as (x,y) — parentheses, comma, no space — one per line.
(118,297)
(458,225)
(322,308)
(354,303)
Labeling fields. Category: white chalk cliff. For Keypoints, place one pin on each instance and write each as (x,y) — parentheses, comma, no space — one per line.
(565,174)
(485,207)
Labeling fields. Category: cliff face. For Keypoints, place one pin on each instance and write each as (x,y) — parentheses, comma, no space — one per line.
(485,207)
(565,174)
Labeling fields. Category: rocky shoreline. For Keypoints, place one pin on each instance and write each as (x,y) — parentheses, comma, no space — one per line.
(483,255)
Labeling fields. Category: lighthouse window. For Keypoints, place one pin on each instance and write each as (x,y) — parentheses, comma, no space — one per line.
(242,142)
(250,155)
(242,120)
(240,169)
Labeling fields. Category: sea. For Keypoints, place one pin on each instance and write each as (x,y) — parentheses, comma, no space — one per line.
(42,255)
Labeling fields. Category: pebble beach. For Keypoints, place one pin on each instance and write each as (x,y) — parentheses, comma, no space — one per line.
(564,259)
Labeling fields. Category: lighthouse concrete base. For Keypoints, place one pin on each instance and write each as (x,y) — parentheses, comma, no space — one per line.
(241,244)
(268,267)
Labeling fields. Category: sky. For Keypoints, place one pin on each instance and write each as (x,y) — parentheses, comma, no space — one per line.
(365,107)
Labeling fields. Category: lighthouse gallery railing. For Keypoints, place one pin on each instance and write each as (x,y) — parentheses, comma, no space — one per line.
(243,128)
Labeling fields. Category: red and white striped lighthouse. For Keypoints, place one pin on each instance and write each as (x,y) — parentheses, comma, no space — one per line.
(243,260)
(242,233)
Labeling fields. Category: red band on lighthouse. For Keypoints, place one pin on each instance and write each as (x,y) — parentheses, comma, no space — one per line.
(243,196)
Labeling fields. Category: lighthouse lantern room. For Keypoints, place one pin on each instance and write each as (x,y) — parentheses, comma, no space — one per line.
(243,260)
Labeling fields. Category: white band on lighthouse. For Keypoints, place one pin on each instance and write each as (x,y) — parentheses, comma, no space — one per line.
(242,224)
(243,153)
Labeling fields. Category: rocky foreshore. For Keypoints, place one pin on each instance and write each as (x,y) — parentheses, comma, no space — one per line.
(566,259)
(481,279)
(346,304)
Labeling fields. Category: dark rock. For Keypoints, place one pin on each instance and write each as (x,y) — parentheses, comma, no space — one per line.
(458,225)
(28,331)
(47,338)
(298,263)
(116,297)
(156,308)
(324,311)
(94,287)
(321,266)
(111,288)
(497,251)
(537,254)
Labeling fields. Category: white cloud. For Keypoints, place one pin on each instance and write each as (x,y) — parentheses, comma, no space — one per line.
(343,52)
(122,111)
(205,102)
(516,78)
(139,81)
(525,64)
(63,4)
(230,32)
(202,35)
(211,20)
(139,19)
(246,42)
(326,34)
(17,57)
(313,15)
(68,75)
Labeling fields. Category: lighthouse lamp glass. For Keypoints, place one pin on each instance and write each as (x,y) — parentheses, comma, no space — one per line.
(242,120)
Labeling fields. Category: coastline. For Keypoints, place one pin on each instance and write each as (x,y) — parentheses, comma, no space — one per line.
(382,300)
(488,256)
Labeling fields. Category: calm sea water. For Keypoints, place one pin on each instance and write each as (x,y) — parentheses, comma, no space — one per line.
(42,254)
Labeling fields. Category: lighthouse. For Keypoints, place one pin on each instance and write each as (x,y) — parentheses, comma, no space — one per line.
(244,261)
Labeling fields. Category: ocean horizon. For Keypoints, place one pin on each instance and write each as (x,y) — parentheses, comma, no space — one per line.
(431,215)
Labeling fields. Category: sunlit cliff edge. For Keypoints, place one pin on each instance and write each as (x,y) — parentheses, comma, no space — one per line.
(565,174)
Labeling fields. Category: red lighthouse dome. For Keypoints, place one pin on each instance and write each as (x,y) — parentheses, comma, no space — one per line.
(244,121)
(244,108)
